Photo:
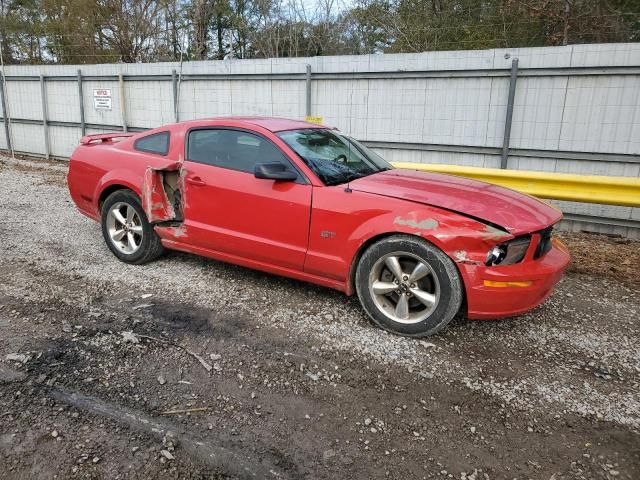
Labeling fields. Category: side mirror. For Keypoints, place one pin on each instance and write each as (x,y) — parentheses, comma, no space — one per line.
(275,171)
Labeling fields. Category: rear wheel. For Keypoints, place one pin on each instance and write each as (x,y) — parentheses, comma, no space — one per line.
(408,286)
(126,230)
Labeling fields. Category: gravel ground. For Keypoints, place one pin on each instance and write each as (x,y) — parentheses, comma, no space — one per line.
(290,380)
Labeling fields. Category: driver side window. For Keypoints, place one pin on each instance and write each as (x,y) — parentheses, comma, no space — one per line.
(232,149)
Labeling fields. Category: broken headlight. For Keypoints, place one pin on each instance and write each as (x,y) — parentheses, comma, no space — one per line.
(544,244)
(509,252)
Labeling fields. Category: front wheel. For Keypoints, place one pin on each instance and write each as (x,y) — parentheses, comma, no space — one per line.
(126,230)
(408,286)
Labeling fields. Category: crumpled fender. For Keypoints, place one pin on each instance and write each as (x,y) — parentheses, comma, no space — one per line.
(358,220)
(463,239)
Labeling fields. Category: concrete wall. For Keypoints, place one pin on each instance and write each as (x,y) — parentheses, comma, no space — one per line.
(576,109)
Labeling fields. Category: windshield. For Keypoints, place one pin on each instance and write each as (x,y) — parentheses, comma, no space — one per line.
(334,158)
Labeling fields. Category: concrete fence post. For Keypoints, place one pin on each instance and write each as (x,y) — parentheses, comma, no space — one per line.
(308,91)
(45,117)
(5,117)
(507,123)
(83,125)
(123,103)
(174,83)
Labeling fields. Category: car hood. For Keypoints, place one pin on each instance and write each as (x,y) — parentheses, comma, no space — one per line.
(515,212)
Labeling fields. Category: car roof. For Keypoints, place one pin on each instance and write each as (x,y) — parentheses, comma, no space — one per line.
(274,124)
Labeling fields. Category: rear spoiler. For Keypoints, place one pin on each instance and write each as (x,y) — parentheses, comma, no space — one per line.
(102,137)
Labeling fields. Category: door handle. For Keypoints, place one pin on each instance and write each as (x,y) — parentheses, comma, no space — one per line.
(196,181)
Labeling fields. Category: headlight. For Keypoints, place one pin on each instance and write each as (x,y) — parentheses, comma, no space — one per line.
(544,244)
(496,255)
(509,253)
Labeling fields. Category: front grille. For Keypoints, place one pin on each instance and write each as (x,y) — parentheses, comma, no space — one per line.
(544,245)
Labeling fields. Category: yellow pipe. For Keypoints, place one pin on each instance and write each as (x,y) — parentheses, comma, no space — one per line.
(623,191)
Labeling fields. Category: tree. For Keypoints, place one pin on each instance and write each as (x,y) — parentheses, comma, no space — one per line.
(131,28)
(91,31)
(423,25)
(20,31)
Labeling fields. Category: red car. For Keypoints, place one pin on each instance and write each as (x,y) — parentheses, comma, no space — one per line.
(304,201)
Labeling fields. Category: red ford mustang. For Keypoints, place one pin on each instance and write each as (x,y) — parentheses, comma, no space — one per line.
(307,202)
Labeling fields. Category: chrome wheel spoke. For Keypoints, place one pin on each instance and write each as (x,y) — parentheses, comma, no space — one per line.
(118,216)
(402,308)
(132,241)
(419,272)
(426,298)
(393,264)
(130,214)
(136,229)
(381,288)
(118,235)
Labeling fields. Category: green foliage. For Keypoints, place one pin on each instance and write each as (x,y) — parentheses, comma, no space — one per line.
(84,31)
(424,25)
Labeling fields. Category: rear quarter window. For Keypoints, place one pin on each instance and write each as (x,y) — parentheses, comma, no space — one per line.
(157,143)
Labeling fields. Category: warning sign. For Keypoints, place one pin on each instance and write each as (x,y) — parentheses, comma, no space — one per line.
(102,99)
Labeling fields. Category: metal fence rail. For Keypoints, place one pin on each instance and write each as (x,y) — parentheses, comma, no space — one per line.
(308,77)
(622,191)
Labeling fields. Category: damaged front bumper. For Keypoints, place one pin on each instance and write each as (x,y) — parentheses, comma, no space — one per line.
(505,291)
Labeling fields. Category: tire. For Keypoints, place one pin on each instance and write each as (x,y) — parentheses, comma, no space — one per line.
(433,291)
(145,246)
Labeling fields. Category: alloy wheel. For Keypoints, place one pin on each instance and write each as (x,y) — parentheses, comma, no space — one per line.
(404,287)
(125,228)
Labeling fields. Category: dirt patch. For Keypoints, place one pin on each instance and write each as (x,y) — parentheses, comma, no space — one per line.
(180,317)
(604,255)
